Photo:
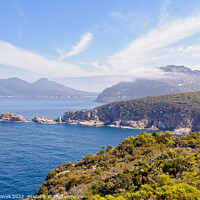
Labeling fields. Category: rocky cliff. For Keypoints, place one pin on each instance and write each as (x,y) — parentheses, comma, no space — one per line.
(179,113)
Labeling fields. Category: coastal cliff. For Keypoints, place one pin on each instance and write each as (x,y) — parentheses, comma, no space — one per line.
(179,113)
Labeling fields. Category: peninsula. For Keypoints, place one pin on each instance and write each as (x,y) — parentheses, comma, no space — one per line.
(179,113)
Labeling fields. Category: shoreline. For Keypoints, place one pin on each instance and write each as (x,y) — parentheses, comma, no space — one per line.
(103,125)
(139,125)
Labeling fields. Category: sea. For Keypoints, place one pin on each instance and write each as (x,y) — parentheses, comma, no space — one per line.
(29,151)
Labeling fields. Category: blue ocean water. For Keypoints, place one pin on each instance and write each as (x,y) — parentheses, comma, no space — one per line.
(28,151)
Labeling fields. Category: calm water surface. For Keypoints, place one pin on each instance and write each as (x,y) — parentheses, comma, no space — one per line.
(28,151)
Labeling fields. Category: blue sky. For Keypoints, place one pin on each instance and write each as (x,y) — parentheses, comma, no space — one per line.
(67,39)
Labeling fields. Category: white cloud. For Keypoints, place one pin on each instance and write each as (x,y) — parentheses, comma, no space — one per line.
(16,57)
(183,50)
(164,15)
(78,48)
(140,53)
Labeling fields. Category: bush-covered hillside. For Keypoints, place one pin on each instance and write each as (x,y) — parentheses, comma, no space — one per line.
(136,109)
(149,166)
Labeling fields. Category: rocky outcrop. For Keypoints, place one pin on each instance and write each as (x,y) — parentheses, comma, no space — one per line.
(11,117)
(90,123)
(153,124)
(83,115)
(42,120)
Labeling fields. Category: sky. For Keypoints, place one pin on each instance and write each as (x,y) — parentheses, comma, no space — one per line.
(93,44)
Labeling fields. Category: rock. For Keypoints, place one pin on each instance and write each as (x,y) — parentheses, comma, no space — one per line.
(116,123)
(144,123)
(11,117)
(182,130)
(86,123)
(99,123)
(161,125)
(42,120)
(59,119)
(90,123)
(83,115)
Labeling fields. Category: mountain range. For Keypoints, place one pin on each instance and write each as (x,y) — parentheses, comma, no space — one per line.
(174,79)
(16,87)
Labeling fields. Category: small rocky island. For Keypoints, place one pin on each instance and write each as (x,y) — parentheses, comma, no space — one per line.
(11,117)
(42,120)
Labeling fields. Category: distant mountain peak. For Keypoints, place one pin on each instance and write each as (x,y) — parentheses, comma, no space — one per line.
(42,80)
(176,68)
(15,78)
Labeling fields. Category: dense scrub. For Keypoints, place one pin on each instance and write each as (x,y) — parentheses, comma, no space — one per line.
(149,166)
(181,104)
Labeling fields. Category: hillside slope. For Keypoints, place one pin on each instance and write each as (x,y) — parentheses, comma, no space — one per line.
(150,166)
(179,113)
(175,79)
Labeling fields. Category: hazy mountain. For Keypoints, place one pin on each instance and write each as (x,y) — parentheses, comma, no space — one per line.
(41,88)
(175,79)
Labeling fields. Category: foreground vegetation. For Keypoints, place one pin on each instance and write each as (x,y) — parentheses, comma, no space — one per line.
(149,166)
